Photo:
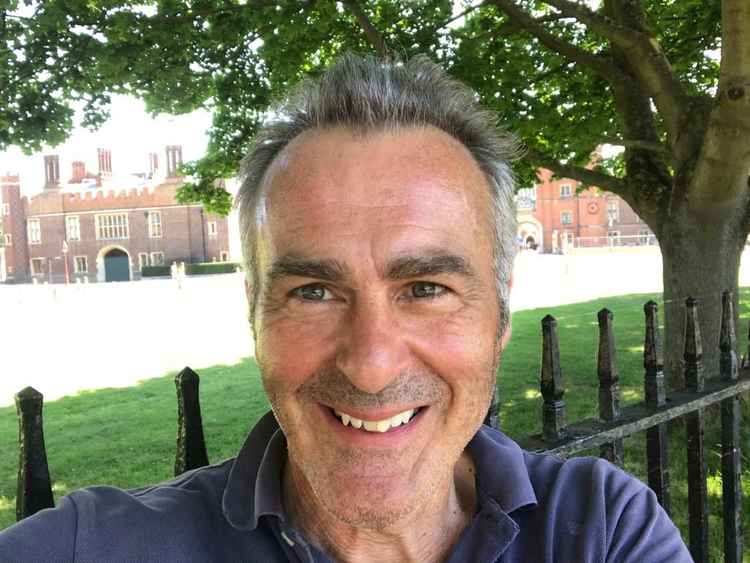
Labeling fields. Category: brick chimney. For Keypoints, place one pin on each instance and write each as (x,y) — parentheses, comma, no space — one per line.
(104,157)
(79,172)
(174,159)
(51,171)
(153,164)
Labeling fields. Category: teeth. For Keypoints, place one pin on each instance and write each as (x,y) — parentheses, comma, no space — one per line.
(376,425)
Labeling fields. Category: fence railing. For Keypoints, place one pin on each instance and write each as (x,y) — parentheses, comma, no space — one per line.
(605,432)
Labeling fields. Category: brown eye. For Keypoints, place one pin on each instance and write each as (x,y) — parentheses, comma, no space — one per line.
(426,290)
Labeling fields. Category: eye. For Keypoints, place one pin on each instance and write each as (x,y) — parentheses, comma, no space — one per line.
(312,292)
(426,290)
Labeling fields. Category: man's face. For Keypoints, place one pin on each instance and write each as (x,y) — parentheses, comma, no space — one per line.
(376,326)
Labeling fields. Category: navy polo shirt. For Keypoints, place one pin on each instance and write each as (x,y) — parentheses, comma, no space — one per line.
(531,508)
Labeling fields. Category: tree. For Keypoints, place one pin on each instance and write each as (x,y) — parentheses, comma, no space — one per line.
(566,77)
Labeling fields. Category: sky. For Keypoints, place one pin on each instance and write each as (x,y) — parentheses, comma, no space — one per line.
(130,134)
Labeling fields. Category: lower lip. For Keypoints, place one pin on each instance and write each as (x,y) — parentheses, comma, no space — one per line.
(357,436)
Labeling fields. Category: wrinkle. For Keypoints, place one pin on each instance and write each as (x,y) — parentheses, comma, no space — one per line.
(331,387)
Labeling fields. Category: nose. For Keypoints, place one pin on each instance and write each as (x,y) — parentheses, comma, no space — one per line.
(373,351)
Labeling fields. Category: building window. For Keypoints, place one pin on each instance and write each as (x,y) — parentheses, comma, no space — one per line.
(81,265)
(6,208)
(569,239)
(566,190)
(8,239)
(157,258)
(72,228)
(526,198)
(154,224)
(613,238)
(112,227)
(224,256)
(212,228)
(142,260)
(644,236)
(37,266)
(35,231)
(566,218)
(613,211)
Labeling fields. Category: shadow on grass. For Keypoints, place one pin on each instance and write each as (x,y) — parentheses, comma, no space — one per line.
(521,402)
(126,436)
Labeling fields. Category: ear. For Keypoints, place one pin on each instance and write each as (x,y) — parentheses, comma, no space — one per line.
(509,328)
(249,295)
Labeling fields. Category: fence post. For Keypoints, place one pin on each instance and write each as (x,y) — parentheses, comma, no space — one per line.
(609,384)
(697,489)
(191,445)
(657,459)
(551,382)
(492,418)
(34,485)
(730,437)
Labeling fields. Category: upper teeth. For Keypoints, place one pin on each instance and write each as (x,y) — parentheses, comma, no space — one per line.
(376,425)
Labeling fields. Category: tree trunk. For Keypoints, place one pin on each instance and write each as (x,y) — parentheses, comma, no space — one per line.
(701,259)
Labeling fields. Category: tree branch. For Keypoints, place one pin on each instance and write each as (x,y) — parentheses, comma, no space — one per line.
(465,13)
(724,159)
(600,65)
(618,34)
(645,57)
(589,177)
(636,144)
(372,34)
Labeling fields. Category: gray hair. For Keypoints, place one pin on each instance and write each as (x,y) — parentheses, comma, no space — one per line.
(366,94)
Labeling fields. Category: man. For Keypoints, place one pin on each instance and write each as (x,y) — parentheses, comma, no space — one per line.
(377,221)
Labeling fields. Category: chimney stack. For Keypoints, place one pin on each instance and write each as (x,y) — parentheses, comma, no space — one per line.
(79,172)
(105,161)
(174,159)
(51,171)
(153,164)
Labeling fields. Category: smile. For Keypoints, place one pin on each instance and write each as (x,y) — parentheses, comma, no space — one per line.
(377,425)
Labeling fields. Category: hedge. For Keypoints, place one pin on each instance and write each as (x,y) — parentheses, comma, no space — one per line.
(211,268)
(203,268)
(155,271)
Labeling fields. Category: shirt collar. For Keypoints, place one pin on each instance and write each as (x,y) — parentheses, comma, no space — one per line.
(254,485)
(500,462)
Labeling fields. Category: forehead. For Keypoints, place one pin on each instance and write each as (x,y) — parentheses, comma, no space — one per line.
(417,184)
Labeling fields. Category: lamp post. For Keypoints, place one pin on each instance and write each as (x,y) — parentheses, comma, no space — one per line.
(65,260)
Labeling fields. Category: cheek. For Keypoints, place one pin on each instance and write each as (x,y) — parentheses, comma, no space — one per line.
(290,352)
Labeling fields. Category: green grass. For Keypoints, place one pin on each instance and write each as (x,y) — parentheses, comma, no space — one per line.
(125,437)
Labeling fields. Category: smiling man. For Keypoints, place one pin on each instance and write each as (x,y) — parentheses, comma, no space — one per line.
(378,225)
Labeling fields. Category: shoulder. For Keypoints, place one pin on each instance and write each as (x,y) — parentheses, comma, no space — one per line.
(107,523)
(576,509)
(592,498)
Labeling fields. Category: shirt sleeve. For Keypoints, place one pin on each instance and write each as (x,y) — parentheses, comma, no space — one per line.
(48,535)
(640,531)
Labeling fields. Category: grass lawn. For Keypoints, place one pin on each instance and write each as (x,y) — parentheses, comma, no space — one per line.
(126,437)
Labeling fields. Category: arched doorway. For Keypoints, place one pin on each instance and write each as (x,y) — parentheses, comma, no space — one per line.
(116,265)
(530,233)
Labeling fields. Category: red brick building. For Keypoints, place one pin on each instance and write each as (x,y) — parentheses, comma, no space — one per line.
(554,218)
(94,228)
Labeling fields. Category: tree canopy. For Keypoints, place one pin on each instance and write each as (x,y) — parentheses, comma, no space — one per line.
(564,77)
(668,80)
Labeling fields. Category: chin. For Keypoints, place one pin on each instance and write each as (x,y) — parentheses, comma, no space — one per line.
(374,503)
(377,514)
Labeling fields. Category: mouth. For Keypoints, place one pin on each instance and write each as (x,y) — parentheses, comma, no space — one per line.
(378,426)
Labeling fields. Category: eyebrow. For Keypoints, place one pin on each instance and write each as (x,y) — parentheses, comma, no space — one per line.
(292,265)
(406,267)
(409,267)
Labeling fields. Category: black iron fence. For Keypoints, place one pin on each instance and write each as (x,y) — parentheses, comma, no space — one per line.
(558,438)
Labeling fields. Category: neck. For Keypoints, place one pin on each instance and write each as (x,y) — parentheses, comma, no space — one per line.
(425,534)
